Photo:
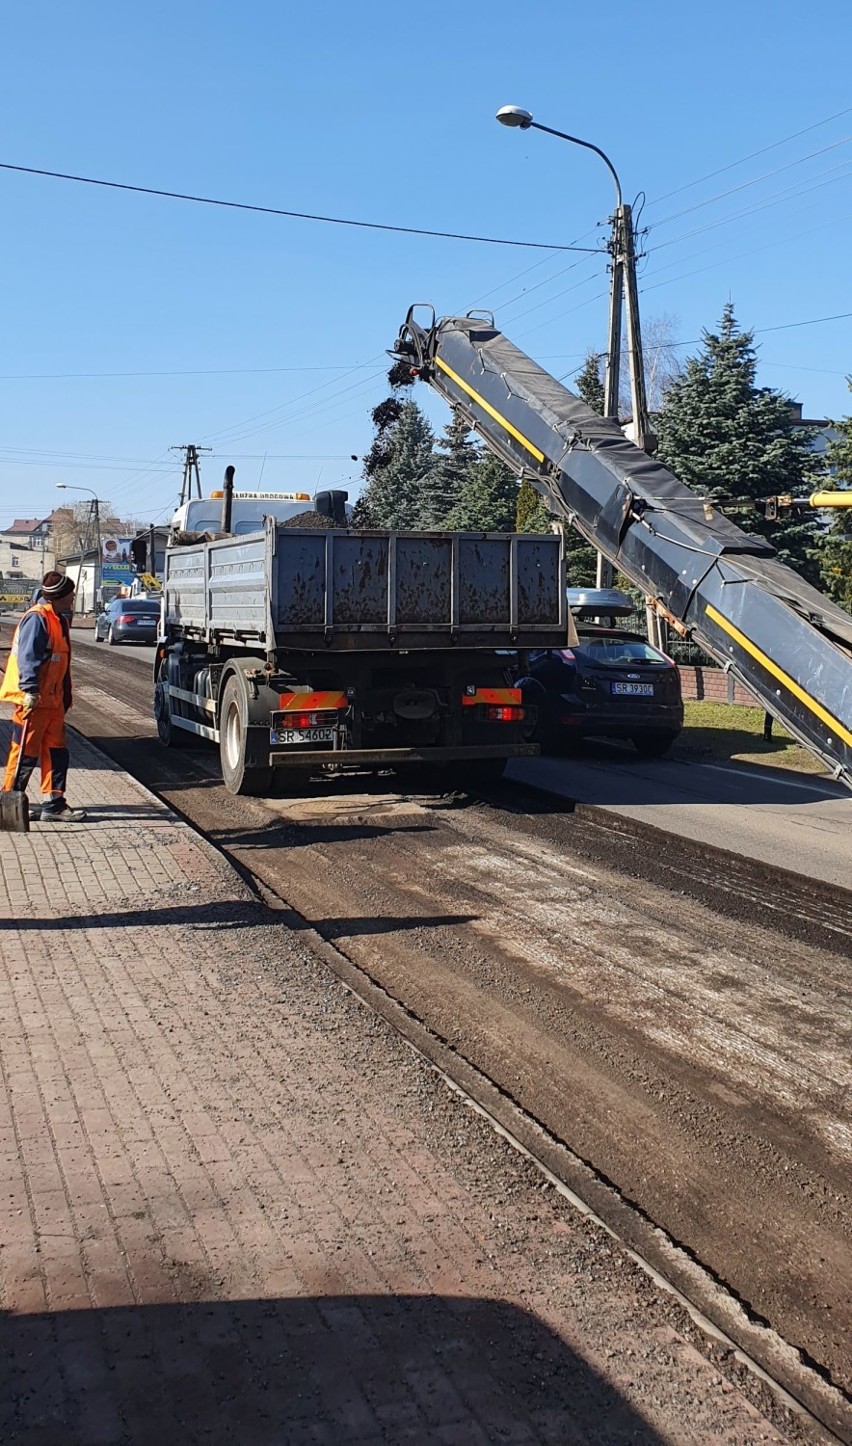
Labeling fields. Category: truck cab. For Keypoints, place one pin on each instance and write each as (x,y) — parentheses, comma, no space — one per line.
(249,510)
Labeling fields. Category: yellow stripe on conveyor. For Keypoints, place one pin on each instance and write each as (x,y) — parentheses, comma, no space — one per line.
(767,663)
(487,407)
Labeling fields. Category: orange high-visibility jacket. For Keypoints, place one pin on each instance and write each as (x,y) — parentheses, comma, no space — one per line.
(53,671)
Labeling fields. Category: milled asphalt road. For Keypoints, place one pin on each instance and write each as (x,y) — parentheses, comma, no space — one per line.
(678,1017)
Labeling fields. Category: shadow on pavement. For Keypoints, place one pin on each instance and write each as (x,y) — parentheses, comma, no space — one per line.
(284,833)
(602,773)
(235,914)
(325,1369)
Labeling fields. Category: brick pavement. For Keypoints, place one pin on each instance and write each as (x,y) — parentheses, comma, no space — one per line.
(235,1208)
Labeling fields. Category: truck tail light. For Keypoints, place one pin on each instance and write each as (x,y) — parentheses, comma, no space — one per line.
(292,718)
(504,714)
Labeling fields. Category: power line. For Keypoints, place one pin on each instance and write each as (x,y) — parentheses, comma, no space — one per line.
(751,156)
(789,193)
(760,331)
(814,321)
(732,190)
(222,436)
(365,383)
(754,251)
(217,372)
(278,211)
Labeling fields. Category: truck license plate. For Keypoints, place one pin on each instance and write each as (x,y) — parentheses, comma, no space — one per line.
(635,690)
(301,735)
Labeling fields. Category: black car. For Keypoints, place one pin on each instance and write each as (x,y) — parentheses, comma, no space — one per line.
(129,620)
(610,684)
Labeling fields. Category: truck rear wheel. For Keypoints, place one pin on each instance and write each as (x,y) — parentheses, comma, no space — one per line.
(471,773)
(482,771)
(239,776)
(168,734)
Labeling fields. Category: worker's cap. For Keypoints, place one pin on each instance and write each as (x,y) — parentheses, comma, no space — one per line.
(55,585)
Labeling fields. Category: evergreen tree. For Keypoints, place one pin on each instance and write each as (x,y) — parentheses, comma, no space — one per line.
(399,461)
(488,499)
(588,384)
(580,559)
(834,554)
(531,514)
(729,439)
(455,462)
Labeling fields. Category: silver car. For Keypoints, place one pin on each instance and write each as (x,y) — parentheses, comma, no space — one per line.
(128,620)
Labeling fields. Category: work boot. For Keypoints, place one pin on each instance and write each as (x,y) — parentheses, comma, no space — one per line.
(49,813)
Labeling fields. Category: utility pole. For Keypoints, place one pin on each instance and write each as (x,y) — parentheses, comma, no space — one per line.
(624,292)
(612,376)
(98,574)
(642,435)
(622,250)
(191,482)
(80,598)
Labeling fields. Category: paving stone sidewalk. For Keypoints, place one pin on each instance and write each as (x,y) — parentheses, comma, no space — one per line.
(237,1209)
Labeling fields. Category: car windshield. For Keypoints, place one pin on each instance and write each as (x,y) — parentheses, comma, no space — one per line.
(614,651)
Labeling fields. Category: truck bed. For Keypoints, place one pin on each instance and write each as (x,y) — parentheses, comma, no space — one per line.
(313,590)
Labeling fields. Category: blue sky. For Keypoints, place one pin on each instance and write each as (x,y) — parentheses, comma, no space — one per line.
(383,112)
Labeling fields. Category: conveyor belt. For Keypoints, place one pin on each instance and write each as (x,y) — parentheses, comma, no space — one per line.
(787,642)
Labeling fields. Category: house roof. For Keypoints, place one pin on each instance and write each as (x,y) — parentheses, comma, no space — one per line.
(24,525)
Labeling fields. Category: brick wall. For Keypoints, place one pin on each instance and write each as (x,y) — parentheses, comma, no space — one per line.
(715,685)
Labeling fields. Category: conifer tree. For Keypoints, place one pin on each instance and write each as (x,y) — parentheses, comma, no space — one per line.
(834,553)
(456,458)
(488,499)
(589,385)
(397,466)
(729,439)
(531,514)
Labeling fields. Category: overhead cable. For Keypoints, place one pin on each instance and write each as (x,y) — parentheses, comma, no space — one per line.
(278,211)
(744,185)
(732,165)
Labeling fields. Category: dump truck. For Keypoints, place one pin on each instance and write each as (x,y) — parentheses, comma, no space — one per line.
(303,649)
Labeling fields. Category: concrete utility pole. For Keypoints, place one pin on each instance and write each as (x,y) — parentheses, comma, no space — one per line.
(622,250)
(93,524)
(191,483)
(99,566)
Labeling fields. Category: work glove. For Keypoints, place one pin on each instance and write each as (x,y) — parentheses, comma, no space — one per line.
(31,702)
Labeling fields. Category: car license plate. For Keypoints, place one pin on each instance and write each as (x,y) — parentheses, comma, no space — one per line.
(634,690)
(302,735)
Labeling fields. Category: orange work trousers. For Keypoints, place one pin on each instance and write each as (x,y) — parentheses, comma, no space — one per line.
(45,745)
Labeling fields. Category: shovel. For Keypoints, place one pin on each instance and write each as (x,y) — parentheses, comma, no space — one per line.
(14,806)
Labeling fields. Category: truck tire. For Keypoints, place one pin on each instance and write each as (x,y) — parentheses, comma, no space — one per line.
(472,774)
(653,745)
(482,771)
(238,775)
(168,734)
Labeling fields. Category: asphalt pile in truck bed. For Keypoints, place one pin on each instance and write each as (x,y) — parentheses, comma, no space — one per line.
(311,519)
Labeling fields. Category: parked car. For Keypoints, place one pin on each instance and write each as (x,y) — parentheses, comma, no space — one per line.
(128,620)
(611,684)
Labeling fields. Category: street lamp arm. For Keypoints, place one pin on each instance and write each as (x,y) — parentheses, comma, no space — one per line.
(73,487)
(563,136)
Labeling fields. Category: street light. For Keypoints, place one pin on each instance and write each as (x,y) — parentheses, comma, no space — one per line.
(93,513)
(518,119)
(623,252)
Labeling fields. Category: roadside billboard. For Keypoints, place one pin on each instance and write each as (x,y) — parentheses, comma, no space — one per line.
(117,568)
(117,550)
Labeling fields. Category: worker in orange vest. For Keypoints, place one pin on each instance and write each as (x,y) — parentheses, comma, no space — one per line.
(38,681)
